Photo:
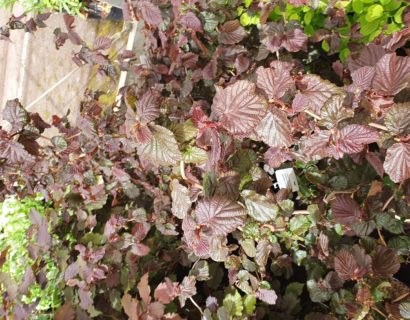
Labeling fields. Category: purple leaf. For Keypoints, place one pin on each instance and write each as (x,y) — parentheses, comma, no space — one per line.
(392,74)
(221,215)
(334,111)
(238,108)
(369,56)
(346,211)
(274,81)
(16,115)
(275,129)
(231,32)
(362,80)
(268,296)
(144,289)
(102,43)
(386,262)
(274,157)
(345,265)
(397,162)
(166,291)
(191,21)
(295,40)
(162,149)
(148,107)
(354,137)
(187,289)
(150,12)
(314,92)
(181,203)
(316,146)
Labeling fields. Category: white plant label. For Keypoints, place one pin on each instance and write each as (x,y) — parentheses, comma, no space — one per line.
(287,179)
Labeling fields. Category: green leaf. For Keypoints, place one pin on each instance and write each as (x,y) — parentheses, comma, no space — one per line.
(357,6)
(295,288)
(308,17)
(299,225)
(233,304)
(317,292)
(248,245)
(398,15)
(325,46)
(259,207)
(391,224)
(195,155)
(200,271)
(374,12)
(247,3)
(184,131)
(249,303)
(367,28)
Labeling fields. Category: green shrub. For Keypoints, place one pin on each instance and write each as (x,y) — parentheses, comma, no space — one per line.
(69,6)
(14,226)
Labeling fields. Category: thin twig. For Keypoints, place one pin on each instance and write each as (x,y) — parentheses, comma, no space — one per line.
(182,169)
(378,126)
(313,115)
(387,202)
(401,297)
(196,305)
(378,311)
(381,237)
(300,212)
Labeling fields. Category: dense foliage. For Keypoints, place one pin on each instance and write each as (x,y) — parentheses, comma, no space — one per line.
(36,6)
(165,205)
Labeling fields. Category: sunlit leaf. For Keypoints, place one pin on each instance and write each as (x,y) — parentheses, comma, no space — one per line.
(162,149)
(314,93)
(397,119)
(150,12)
(259,207)
(181,202)
(275,129)
(220,214)
(392,74)
(397,162)
(238,108)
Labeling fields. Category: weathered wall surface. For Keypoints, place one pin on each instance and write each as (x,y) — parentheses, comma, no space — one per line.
(31,64)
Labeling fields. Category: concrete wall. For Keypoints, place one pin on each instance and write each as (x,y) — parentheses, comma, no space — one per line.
(31,64)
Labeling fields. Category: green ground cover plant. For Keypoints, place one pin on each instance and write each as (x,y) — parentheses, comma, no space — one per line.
(166,204)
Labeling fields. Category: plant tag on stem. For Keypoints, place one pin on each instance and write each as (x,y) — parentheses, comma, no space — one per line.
(287,179)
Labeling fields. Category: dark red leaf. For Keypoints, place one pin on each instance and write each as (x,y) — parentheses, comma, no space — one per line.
(238,108)
(354,137)
(346,211)
(274,81)
(345,265)
(397,162)
(392,74)
(314,93)
(191,21)
(16,115)
(220,214)
(231,32)
(150,12)
(386,262)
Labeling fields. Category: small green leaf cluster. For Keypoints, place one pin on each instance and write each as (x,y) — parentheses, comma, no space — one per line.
(14,239)
(374,18)
(73,7)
